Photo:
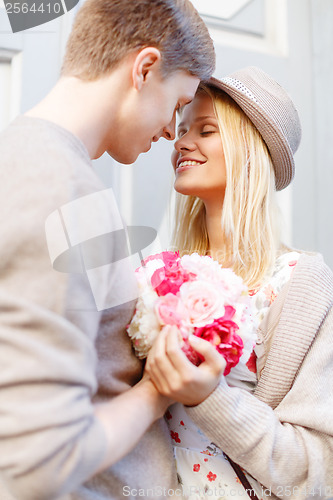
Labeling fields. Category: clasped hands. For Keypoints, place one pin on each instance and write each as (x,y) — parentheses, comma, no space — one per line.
(175,376)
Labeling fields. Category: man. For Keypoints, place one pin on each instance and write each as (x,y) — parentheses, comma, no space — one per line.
(128,66)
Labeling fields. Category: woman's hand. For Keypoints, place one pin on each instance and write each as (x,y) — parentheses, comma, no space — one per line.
(175,376)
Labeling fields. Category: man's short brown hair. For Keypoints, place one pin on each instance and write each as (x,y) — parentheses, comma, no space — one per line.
(105,31)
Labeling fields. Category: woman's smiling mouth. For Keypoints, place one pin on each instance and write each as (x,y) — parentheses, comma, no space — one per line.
(187,164)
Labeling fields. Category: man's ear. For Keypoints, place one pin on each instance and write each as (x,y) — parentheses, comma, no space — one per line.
(146,62)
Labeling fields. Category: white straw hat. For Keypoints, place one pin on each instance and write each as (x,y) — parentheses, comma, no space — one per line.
(273,113)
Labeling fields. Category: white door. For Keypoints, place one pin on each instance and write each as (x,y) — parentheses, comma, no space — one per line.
(293,41)
(290,39)
(29,63)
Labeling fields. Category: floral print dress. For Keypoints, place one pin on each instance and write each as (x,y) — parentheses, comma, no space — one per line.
(203,470)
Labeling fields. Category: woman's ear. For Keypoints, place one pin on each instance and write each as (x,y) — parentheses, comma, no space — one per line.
(146,63)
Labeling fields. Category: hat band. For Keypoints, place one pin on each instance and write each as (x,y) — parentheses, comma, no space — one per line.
(237,85)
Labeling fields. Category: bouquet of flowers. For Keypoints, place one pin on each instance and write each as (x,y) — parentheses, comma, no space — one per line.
(201,298)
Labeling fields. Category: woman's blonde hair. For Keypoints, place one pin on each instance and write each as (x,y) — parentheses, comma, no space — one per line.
(250,214)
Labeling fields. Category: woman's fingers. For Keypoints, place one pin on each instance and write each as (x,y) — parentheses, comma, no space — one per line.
(175,376)
(174,352)
(213,359)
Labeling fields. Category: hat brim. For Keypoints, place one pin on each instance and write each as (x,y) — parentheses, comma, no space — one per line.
(279,149)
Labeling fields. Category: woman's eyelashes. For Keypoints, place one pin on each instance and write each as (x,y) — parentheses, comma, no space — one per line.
(205,131)
(208,128)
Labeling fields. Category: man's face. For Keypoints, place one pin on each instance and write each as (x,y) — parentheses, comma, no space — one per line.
(152,114)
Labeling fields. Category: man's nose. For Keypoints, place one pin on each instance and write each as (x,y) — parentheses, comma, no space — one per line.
(169,131)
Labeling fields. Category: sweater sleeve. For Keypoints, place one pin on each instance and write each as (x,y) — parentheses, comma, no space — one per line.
(288,449)
(50,440)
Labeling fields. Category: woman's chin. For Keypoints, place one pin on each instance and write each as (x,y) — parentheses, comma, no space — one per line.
(183,188)
(185,192)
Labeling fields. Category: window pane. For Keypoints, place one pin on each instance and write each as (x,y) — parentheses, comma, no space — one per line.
(222,9)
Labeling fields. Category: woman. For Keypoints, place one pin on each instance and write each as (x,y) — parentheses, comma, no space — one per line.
(271,418)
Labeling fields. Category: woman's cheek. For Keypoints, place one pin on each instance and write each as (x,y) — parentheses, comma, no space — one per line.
(174,158)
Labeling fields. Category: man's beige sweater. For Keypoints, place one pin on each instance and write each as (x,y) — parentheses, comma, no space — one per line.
(56,349)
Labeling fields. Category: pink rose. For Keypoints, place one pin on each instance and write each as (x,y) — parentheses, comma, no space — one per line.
(202,302)
(167,310)
(203,266)
(222,333)
(206,269)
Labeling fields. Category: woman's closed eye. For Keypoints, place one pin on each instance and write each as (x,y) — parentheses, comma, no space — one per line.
(203,131)
(208,130)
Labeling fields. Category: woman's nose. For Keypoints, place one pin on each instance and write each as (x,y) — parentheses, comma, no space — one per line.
(184,143)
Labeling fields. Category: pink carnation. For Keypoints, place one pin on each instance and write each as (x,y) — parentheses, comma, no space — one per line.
(222,333)
(169,279)
(166,257)
(191,354)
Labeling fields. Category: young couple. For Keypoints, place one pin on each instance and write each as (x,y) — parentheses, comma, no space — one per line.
(77,419)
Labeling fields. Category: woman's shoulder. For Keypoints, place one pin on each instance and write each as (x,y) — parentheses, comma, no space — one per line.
(301,276)
(312,266)
(312,282)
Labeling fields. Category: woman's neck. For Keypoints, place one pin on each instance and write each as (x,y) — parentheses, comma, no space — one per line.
(214,229)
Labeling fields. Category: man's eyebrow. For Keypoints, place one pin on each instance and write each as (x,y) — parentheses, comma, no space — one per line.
(198,119)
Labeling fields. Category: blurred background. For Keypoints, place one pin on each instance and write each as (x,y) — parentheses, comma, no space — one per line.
(290,39)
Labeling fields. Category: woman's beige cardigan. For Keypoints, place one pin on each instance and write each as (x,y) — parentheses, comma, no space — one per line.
(283,434)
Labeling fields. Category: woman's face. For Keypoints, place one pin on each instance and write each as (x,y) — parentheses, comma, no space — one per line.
(198,158)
